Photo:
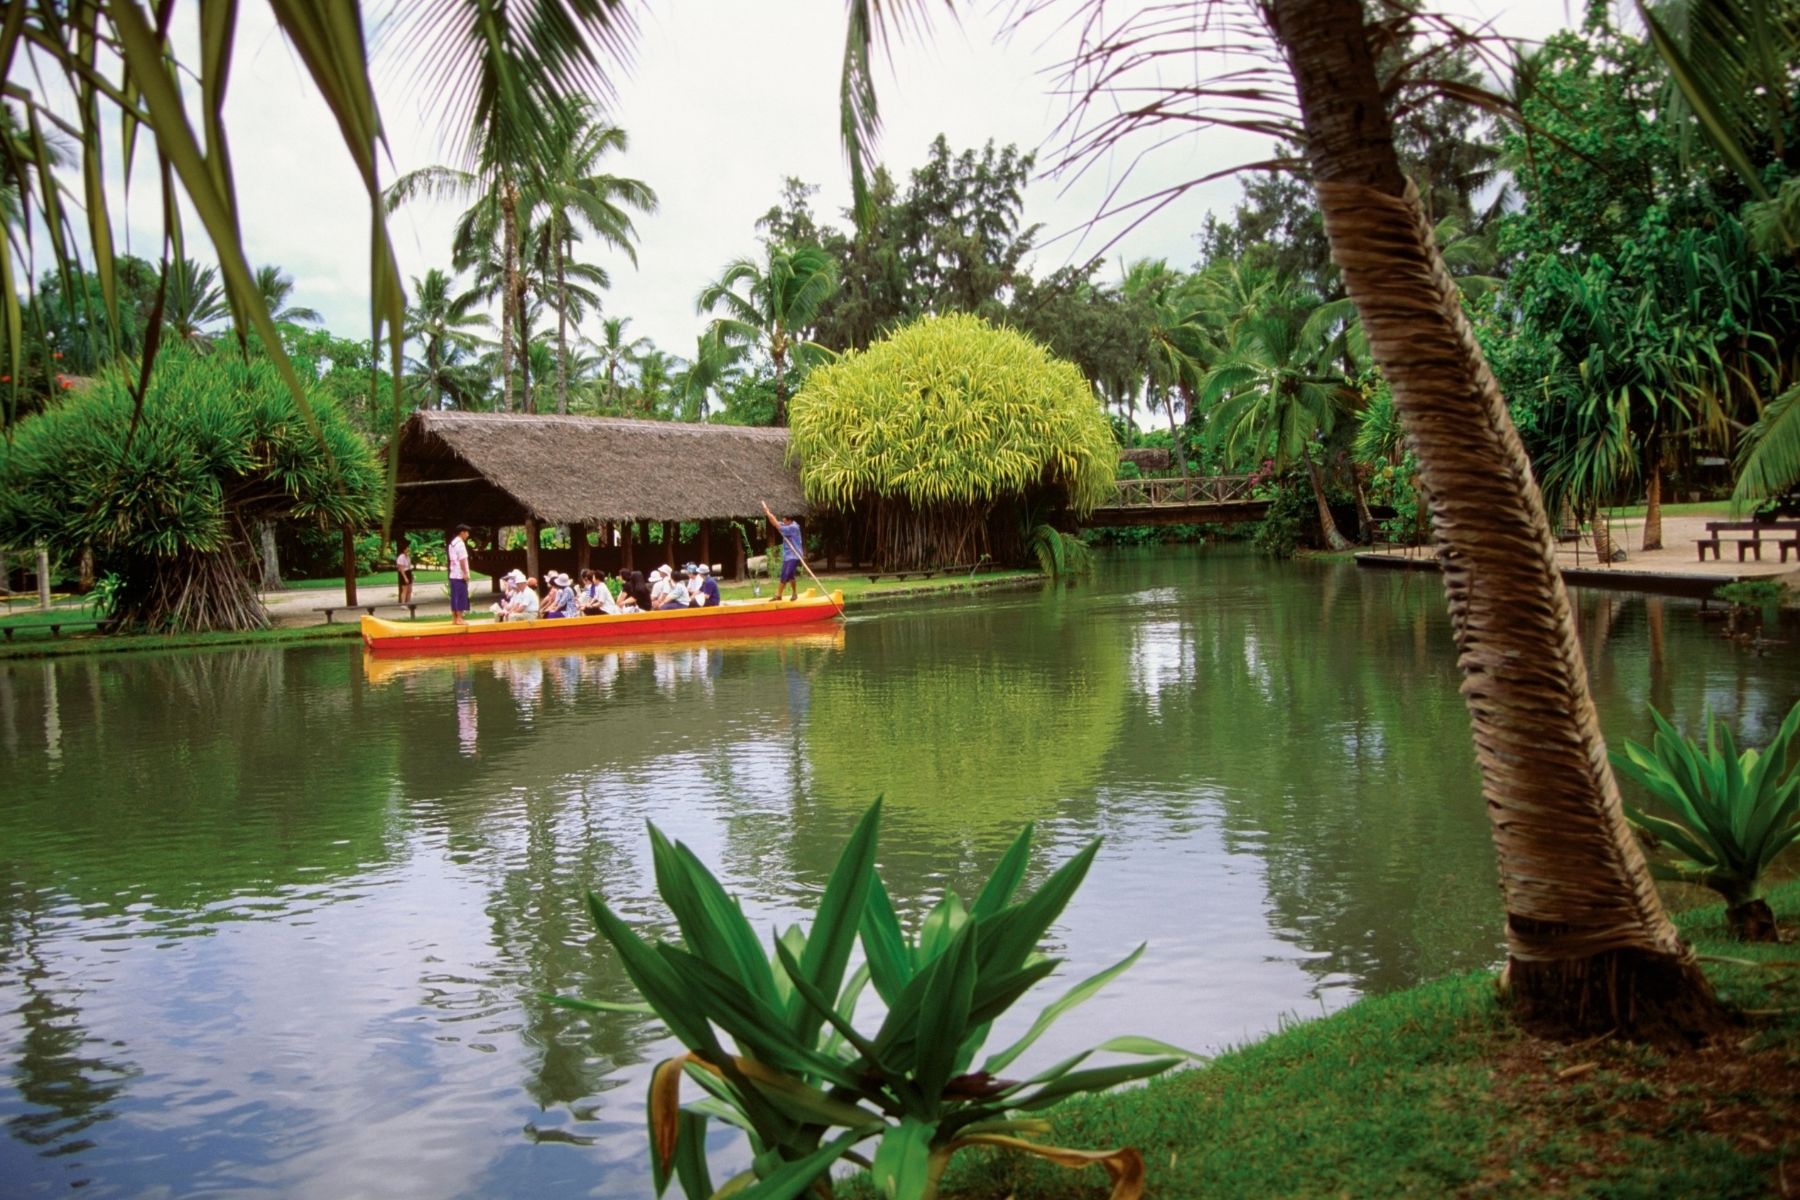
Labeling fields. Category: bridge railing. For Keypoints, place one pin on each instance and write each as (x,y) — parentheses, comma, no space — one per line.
(1196,489)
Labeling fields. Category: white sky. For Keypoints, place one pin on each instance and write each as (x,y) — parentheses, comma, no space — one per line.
(725,99)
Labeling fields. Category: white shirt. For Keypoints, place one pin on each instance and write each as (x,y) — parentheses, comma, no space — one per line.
(459,559)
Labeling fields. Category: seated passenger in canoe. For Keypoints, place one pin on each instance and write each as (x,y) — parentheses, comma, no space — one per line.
(706,588)
(561,602)
(634,593)
(594,597)
(525,602)
(673,591)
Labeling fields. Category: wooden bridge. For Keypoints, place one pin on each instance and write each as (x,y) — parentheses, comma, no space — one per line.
(1220,499)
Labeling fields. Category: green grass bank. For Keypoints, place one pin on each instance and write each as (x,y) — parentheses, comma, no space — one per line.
(1432,1092)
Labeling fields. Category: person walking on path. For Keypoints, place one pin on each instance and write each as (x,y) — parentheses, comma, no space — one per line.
(403,571)
(459,574)
(790,552)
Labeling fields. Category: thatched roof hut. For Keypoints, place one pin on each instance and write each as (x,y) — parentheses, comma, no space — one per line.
(500,468)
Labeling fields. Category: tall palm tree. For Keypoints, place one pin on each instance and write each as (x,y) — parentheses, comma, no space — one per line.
(714,365)
(1275,393)
(1590,946)
(570,194)
(1178,339)
(441,322)
(275,286)
(193,303)
(615,350)
(772,305)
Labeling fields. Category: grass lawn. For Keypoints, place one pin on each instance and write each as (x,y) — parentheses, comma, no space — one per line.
(1432,1092)
(1720,509)
(373,579)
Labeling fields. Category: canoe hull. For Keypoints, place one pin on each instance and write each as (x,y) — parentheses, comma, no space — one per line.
(405,638)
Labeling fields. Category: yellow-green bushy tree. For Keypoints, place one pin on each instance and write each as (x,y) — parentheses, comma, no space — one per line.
(946,441)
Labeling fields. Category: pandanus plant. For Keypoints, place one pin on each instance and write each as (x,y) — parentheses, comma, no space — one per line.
(799,1078)
(1728,814)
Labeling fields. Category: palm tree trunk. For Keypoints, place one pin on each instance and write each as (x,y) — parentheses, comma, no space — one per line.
(1602,532)
(1175,436)
(1334,537)
(1590,947)
(1365,520)
(522,310)
(509,219)
(778,356)
(562,334)
(1653,539)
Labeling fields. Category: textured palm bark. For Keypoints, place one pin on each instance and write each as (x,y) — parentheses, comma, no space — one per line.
(1590,947)
(509,218)
(1653,539)
(1334,537)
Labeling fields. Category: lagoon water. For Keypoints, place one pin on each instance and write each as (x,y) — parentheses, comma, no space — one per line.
(275,922)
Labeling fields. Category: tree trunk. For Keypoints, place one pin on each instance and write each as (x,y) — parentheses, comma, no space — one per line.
(1590,947)
(1653,492)
(562,334)
(1602,534)
(532,529)
(509,220)
(1365,520)
(271,563)
(43,578)
(778,356)
(1327,523)
(349,565)
(1175,436)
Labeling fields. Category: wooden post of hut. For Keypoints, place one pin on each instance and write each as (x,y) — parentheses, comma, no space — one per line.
(737,559)
(627,535)
(349,565)
(578,535)
(531,548)
(668,532)
(706,542)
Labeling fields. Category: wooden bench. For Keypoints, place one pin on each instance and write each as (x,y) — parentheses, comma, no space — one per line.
(1750,536)
(331,610)
(56,627)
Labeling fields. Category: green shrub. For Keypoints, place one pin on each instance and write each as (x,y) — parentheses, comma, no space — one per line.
(804,1083)
(1727,815)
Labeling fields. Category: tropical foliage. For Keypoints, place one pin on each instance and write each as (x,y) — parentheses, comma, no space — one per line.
(1726,815)
(169,497)
(805,1083)
(930,432)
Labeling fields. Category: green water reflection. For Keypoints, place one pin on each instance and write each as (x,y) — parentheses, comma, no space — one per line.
(275,922)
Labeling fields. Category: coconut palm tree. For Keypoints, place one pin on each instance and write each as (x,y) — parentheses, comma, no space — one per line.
(1178,341)
(570,195)
(613,351)
(441,322)
(714,365)
(193,303)
(1590,946)
(772,305)
(275,286)
(1275,394)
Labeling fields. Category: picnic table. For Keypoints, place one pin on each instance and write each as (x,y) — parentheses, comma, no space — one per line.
(1749,536)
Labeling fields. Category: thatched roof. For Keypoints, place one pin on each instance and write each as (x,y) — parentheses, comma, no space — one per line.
(499,468)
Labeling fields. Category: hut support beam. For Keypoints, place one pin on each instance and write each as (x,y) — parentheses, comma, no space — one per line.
(531,547)
(578,535)
(349,565)
(668,532)
(706,542)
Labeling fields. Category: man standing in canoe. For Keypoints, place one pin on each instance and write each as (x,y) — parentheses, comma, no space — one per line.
(459,574)
(790,552)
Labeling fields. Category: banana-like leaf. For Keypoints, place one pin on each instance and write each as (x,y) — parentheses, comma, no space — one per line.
(795,1177)
(1014,933)
(840,913)
(839,1019)
(712,923)
(1096,1079)
(656,981)
(662,1109)
(944,1013)
(998,891)
(758,1028)
(1076,995)
(1125,1165)
(690,1156)
(902,1164)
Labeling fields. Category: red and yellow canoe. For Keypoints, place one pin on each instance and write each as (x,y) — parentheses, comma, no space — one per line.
(406,637)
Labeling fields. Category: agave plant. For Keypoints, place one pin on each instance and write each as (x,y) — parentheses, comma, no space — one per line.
(1730,814)
(804,1083)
